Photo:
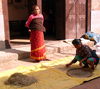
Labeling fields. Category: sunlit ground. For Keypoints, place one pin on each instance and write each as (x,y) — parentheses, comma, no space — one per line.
(49,75)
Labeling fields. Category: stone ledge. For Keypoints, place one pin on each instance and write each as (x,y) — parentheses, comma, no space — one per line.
(23,52)
(13,54)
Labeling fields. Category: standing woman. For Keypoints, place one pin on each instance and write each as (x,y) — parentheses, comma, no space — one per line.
(36,29)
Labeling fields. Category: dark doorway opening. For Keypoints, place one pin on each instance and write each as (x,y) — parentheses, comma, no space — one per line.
(48,10)
(18,29)
(16,21)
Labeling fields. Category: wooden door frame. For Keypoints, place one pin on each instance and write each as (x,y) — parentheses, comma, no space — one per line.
(87,19)
(88,16)
(62,31)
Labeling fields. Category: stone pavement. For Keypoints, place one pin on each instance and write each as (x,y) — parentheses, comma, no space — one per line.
(19,55)
(20,52)
(21,49)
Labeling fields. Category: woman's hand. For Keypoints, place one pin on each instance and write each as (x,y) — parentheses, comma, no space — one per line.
(29,30)
(80,63)
(67,65)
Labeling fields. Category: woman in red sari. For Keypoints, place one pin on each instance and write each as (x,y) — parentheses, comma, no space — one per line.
(36,29)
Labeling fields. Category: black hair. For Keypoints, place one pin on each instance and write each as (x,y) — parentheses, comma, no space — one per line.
(76,41)
(34,6)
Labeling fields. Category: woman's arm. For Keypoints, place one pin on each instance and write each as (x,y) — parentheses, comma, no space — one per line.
(80,62)
(28,21)
(73,61)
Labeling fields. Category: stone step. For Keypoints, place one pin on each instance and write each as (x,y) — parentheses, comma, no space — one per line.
(14,54)
(23,51)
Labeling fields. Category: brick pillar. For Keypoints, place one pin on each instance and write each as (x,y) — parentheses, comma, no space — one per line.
(4,27)
(88,16)
(39,3)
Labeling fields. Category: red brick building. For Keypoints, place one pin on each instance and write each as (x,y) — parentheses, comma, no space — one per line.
(64,19)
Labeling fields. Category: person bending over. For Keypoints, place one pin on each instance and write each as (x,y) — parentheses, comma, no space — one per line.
(85,55)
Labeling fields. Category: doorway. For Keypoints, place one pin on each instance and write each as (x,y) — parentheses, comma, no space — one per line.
(48,11)
(18,12)
(17,21)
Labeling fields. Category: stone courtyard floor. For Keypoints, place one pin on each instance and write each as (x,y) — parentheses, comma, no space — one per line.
(93,84)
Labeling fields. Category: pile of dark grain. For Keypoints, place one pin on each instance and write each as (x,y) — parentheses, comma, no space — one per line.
(20,79)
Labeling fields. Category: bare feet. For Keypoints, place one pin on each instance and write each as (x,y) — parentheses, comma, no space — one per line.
(67,65)
(35,61)
(46,60)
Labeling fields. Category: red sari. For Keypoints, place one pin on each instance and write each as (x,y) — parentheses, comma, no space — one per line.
(35,24)
(37,45)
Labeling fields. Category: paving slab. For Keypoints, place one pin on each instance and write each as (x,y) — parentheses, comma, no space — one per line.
(22,50)
(56,50)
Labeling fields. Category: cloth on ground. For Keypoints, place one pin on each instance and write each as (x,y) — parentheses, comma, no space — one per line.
(92,36)
(49,74)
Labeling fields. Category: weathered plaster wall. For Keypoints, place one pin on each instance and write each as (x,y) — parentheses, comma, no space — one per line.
(2,22)
(95,4)
(95,16)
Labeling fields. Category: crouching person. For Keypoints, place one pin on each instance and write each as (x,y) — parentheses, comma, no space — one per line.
(85,55)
